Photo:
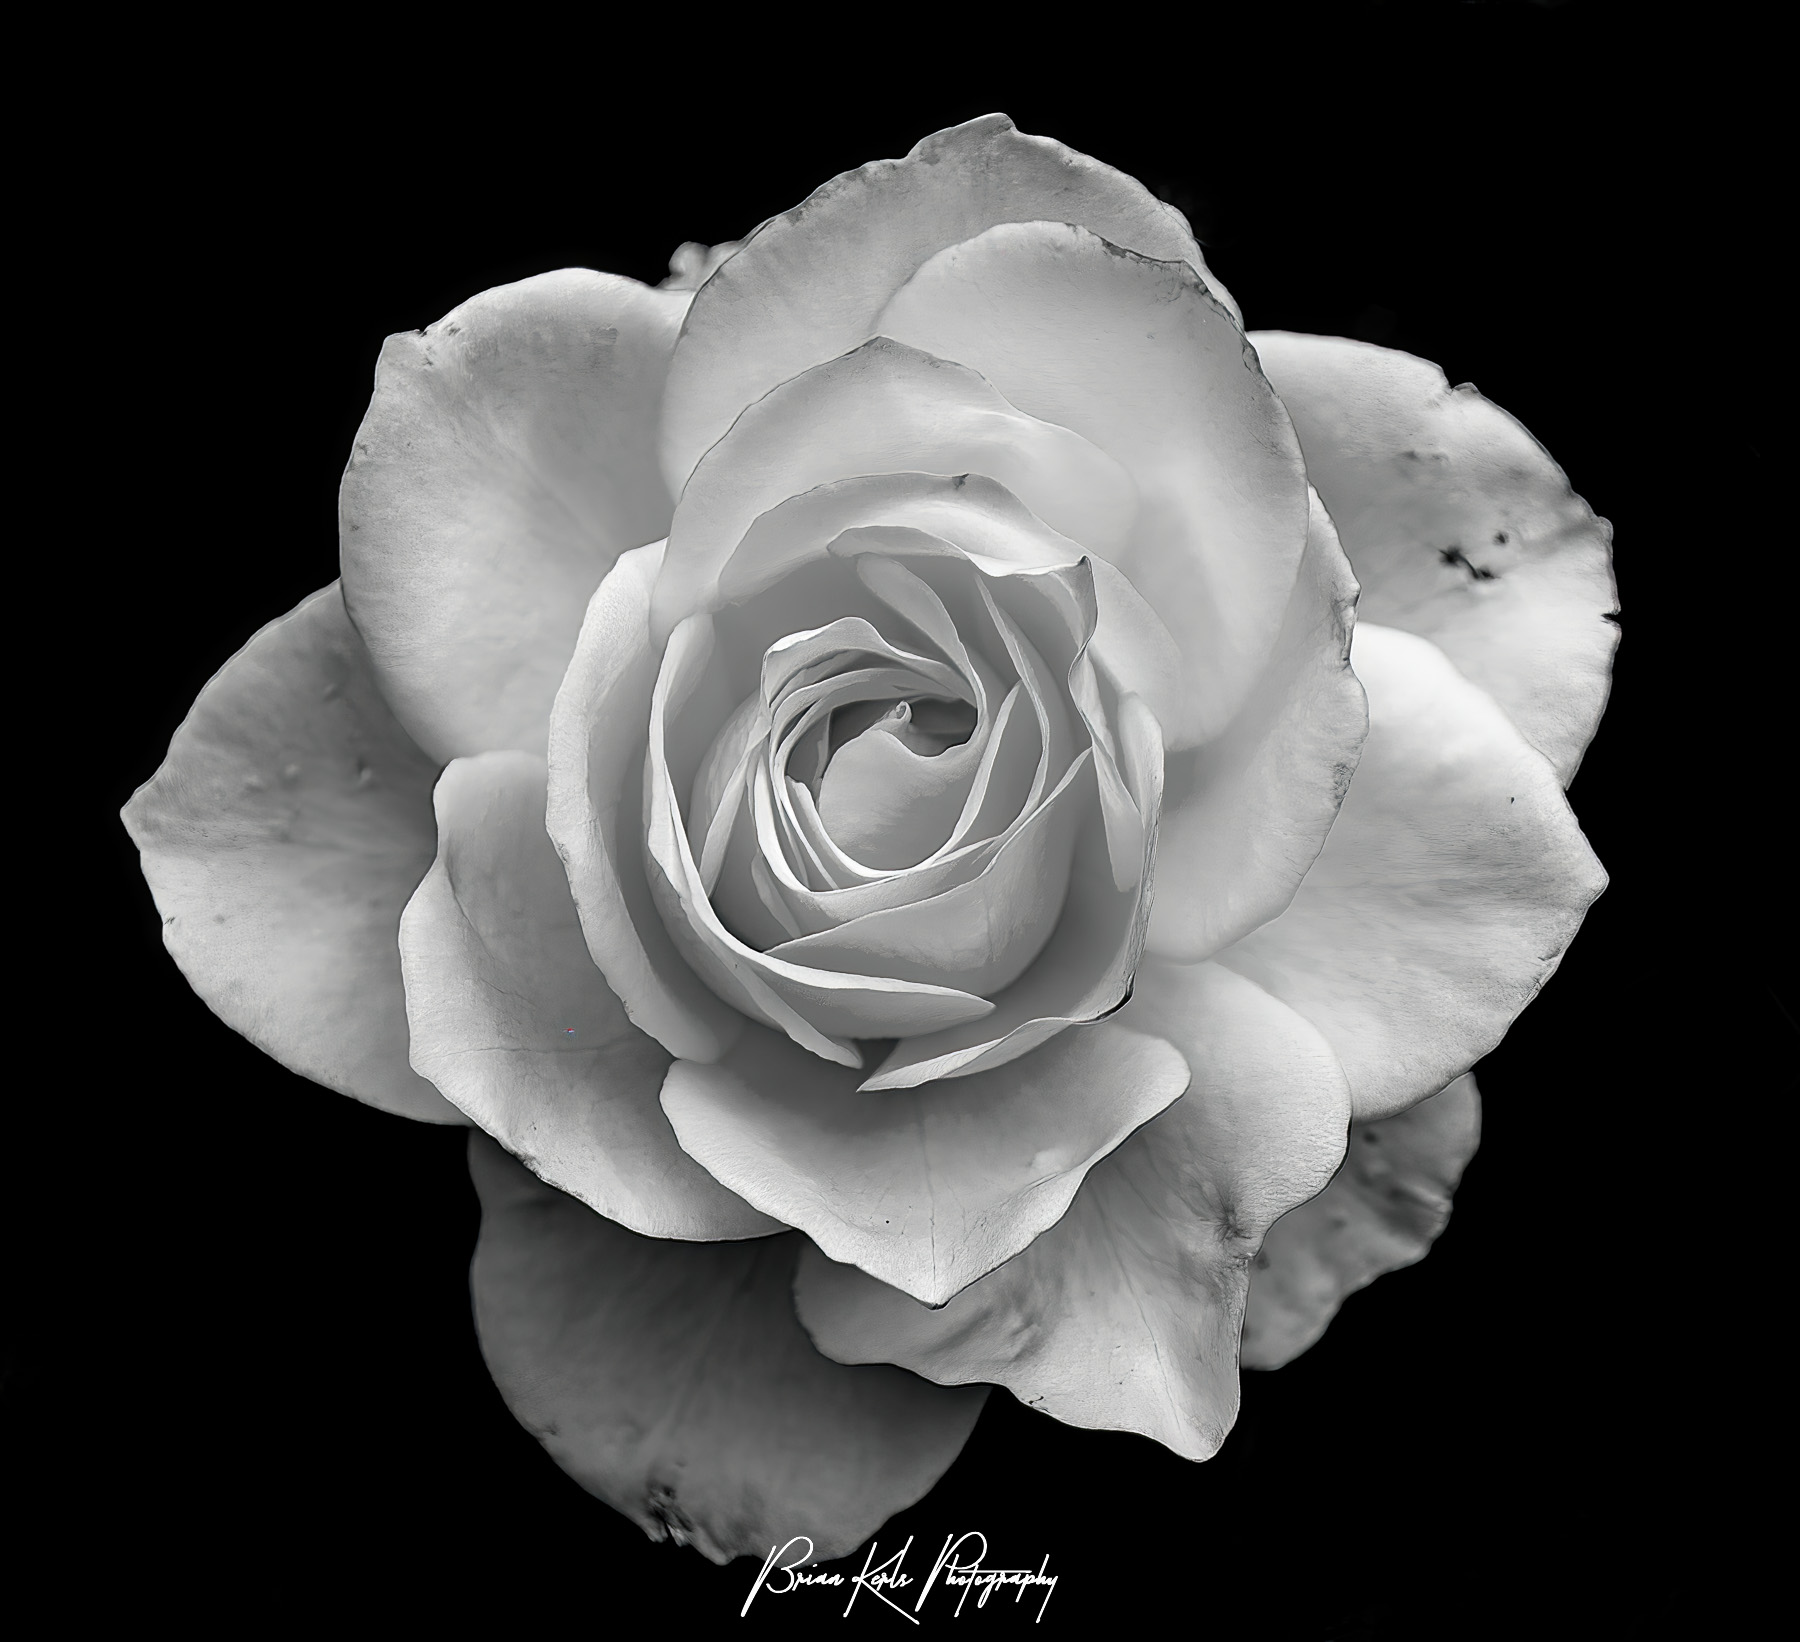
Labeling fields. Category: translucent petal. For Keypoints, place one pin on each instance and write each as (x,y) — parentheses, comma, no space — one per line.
(1445,896)
(1382,1210)
(1462,529)
(672,1380)
(281,839)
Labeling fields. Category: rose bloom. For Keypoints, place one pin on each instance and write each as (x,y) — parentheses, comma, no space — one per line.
(947,817)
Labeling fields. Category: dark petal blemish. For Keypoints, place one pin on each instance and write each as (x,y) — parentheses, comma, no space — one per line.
(1454,555)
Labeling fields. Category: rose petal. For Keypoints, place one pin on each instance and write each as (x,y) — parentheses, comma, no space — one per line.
(512,1021)
(1382,1210)
(878,551)
(884,408)
(1444,897)
(598,731)
(1062,607)
(979,935)
(820,1008)
(767,315)
(505,462)
(924,1188)
(1140,359)
(980,515)
(1125,824)
(904,809)
(889,806)
(983,520)
(1124,1315)
(672,1380)
(1461,528)
(1085,970)
(803,660)
(1245,816)
(281,838)
(995,801)
(1040,657)
(719,786)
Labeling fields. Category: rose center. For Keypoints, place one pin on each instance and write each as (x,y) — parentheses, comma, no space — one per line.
(928,725)
(887,775)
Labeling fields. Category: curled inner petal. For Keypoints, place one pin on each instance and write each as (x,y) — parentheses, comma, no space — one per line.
(882,809)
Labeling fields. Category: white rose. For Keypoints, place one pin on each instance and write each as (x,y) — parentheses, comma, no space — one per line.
(872,746)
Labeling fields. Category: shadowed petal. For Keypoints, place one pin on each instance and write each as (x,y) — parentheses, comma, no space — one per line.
(1141,360)
(925,1188)
(1085,969)
(673,1381)
(821,1008)
(505,462)
(1382,1210)
(513,1022)
(978,935)
(598,732)
(767,314)
(1124,1315)
(1244,817)
(1453,880)
(1461,529)
(281,838)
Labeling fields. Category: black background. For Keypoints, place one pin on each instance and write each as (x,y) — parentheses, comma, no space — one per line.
(247,1382)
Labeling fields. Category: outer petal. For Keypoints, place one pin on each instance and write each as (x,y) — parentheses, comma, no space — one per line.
(1124,1315)
(513,1022)
(1244,817)
(807,285)
(1445,895)
(598,732)
(1461,528)
(281,838)
(924,1188)
(1383,1210)
(506,461)
(672,1379)
(1139,358)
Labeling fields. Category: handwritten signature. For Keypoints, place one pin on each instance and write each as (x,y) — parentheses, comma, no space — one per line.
(959,1567)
